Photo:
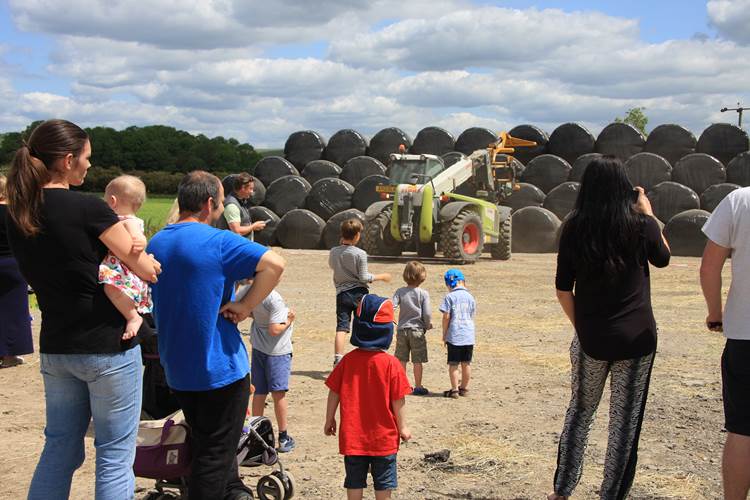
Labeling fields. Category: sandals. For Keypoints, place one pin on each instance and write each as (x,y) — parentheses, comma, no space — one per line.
(463,391)
(451,393)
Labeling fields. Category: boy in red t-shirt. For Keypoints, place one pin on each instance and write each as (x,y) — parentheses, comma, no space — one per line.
(371,386)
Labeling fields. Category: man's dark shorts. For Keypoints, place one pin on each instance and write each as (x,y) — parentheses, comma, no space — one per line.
(346,303)
(735,378)
(459,353)
(384,472)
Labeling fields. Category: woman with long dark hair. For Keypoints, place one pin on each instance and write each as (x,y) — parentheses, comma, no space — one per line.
(59,237)
(606,246)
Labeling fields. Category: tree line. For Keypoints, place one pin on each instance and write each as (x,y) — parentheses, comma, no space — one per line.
(159,154)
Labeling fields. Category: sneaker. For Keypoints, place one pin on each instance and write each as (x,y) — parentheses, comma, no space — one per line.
(286,445)
(420,391)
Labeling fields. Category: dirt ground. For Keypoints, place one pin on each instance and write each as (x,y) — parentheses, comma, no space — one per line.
(503,437)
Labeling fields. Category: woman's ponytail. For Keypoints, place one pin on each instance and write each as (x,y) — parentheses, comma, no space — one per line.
(30,169)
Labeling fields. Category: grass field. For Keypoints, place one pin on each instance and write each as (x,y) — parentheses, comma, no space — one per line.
(154,212)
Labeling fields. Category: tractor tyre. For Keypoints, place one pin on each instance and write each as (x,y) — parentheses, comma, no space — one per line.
(463,237)
(425,249)
(501,249)
(378,238)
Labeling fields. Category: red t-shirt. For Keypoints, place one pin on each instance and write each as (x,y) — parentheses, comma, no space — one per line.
(367,382)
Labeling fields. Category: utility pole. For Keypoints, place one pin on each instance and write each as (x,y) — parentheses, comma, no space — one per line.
(739,109)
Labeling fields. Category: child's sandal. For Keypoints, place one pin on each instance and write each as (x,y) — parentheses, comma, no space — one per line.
(450,393)
(463,391)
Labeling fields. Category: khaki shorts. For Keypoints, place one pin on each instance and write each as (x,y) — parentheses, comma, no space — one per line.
(411,340)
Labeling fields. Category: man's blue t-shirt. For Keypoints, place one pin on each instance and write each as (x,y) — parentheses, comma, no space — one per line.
(199,349)
(462,308)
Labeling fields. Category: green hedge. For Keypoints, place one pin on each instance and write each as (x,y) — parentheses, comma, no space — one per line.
(157,182)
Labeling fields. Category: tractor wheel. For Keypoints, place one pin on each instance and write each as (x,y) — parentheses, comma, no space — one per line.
(463,237)
(425,249)
(378,238)
(501,249)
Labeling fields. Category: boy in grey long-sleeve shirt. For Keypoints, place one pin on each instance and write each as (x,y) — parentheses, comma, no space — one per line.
(414,319)
(350,277)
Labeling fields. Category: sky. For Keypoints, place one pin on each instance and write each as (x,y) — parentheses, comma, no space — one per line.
(260,70)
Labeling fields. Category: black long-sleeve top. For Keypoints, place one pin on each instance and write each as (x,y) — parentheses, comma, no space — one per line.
(613,316)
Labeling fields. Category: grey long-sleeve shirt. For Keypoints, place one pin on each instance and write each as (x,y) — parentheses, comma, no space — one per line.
(413,308)
(349,264)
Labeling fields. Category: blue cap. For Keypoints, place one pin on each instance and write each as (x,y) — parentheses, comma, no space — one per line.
(372,326)
(453,276)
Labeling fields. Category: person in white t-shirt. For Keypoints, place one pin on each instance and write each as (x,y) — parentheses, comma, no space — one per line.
(271,360)
(728,232)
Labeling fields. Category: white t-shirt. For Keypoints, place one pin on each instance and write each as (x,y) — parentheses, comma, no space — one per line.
(729,227)
(271,310)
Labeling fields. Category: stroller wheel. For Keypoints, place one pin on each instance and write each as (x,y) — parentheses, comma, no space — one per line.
(271,488)
(288,480)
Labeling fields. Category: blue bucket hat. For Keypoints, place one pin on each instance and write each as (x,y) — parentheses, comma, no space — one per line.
(453,276)
(372,327)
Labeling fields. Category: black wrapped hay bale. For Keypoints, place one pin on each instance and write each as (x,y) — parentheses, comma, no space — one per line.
(304,146)
(329,197)
(475,138)
(711,197)
(723,141)
(546,172)
(738,170)
(320,169)
(527,195)
(683,232)
(562,199)
(286,193)
(433,141)
(579,166)
(698,171)
(387,141)
(344,145)
(621,140)
(332,230)
(571,140)
(365,194)
(452,157)
(530,133)
(534,230)
(647,170)
(671,142)
(267,235)
(300,228)
(670,198)
(270,168)
(360,167)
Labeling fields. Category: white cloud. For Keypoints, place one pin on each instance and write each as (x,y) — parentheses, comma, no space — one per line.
(731,18)
(204,66)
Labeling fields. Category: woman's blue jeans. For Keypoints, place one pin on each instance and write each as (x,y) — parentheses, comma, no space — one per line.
(78,387)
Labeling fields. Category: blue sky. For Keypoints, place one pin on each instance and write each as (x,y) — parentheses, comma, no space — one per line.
(361,64)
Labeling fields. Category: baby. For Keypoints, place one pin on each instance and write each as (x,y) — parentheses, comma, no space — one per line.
(129,294)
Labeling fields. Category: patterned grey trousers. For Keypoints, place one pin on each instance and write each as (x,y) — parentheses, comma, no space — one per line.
(629,389)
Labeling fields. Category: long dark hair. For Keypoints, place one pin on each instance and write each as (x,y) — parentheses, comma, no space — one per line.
(31,166)
(606,229)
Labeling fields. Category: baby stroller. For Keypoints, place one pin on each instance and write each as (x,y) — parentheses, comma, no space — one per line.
(163,454)
(163,446)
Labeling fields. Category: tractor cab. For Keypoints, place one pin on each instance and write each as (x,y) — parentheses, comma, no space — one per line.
(414,169)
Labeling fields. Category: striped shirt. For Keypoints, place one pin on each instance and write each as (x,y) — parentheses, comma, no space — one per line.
(349,264)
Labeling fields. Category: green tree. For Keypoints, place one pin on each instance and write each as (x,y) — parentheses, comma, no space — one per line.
(635,117)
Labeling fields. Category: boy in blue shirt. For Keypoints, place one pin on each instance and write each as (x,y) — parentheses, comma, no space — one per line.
(458,308)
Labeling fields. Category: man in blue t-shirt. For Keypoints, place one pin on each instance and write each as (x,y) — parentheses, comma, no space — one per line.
(204,359)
